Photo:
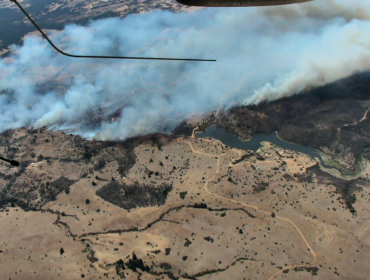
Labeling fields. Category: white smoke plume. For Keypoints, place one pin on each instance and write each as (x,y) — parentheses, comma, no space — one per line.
(263,54)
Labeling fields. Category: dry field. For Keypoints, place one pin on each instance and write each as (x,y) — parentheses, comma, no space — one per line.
(198,210)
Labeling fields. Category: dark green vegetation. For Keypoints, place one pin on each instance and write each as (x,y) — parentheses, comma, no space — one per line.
(242,158)
(136,195)
(183,195)
(259,187)
(344,187)
(49,191)
(133,263)
(312,270)
(33,197)
(90,254)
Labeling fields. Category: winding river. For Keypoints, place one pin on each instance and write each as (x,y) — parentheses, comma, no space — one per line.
(254,143)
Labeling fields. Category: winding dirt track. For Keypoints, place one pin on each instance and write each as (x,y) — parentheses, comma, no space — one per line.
(207,190)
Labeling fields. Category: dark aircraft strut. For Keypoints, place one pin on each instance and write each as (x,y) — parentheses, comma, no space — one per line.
(96,56)
(12,162)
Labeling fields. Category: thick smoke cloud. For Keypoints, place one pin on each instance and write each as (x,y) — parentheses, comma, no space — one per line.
(263,54)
